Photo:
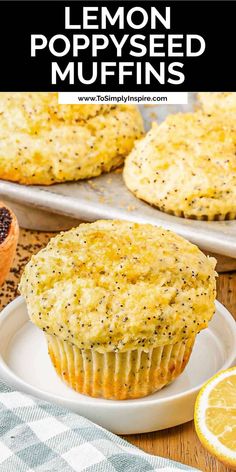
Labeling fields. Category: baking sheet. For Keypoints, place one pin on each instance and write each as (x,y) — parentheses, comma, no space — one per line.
(107,197)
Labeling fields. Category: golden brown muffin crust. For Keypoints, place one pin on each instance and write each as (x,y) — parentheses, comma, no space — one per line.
(44,143)
(114,285)
(187,166)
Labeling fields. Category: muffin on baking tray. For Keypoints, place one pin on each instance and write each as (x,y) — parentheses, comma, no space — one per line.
(121,304)
(187,167)
(43,142)
(218,102)
(9,232)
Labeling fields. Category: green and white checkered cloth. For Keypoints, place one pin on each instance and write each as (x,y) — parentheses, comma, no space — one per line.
(37,436)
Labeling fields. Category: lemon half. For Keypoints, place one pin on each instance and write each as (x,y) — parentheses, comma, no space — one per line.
(215,416)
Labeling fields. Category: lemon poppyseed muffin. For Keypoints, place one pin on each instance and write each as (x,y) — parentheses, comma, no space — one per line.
(44,143)
(122,302)
(218,102)
(187,167)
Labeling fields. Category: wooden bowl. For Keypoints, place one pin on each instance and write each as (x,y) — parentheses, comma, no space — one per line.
(9,232)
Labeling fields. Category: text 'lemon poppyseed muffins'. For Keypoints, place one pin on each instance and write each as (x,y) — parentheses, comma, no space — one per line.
(42,142)
(187,167)
(218,102)
(121,304)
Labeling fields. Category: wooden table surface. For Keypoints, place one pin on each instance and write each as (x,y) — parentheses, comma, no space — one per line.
(180,443)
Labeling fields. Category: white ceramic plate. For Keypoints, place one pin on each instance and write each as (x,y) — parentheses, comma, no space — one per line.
(24,364)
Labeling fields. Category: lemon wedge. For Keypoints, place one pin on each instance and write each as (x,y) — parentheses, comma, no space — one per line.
(215,416)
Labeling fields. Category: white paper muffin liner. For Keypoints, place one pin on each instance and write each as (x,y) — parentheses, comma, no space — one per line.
(220,217)
(118,375)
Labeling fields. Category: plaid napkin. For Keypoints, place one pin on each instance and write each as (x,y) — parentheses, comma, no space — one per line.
(37,436)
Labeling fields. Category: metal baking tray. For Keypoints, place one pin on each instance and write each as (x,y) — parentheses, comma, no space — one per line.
(61,206)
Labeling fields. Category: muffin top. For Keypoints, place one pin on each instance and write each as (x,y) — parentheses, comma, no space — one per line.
(26,110)
(218,102)
(187,166)
(43,142)
(114,286)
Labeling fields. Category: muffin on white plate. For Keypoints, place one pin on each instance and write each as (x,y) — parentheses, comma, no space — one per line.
(121,304)
(43,142)
(9,232)
(187,166)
